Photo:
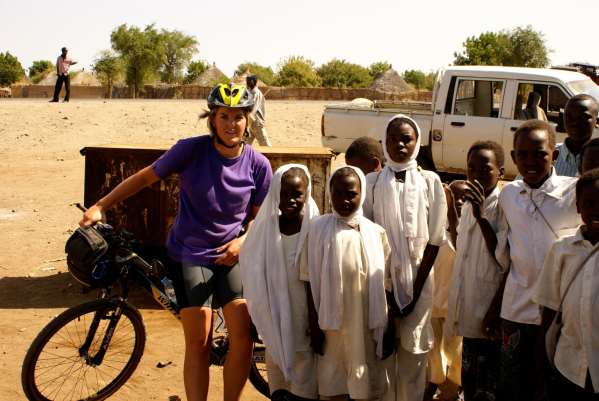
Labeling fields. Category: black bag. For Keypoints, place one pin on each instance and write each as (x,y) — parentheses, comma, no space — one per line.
(84,248)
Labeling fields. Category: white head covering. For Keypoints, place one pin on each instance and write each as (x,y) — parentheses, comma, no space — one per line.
(402,211)
(264,273)
(325,266)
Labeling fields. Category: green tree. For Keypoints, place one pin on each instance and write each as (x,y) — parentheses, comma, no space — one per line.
(194,70)
(343,74)
(142,52)
(109,68)
(528,48)
(177,49)
(489,48)
(11,69)
(378,67)
(40,67)
(264,73)
(416,78)
(429,81)
(298,72)
(523,47)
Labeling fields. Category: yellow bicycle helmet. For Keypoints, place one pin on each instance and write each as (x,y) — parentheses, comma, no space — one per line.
(230,95)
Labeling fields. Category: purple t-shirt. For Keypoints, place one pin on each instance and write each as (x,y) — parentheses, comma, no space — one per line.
(216,195)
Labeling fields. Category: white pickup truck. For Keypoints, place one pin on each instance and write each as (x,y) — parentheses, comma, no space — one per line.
(469,104)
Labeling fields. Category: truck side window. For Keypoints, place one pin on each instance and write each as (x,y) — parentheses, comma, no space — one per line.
(478,98)
(540,101)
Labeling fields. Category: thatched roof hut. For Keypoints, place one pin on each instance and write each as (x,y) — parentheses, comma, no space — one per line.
(210,77)
(390,82)
(85,78)
(49,78)
(80,78)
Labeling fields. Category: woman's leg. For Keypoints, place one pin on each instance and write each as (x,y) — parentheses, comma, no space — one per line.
(197,328)
(237,365)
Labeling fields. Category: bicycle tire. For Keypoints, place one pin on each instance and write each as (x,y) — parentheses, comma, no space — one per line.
(258,370)
(74,314)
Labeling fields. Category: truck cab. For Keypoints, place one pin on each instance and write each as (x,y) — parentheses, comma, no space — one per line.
(469,103)
(490,103)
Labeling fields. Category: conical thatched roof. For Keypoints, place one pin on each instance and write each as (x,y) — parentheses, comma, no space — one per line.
(49,79)
(85,78)
(390,82)
(81,78)
(240,79)
(210,77)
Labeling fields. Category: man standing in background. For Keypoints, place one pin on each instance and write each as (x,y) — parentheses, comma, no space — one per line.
(258,129)
(62,71)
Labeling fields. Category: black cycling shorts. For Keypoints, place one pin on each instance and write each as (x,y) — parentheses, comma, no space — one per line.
(211,286)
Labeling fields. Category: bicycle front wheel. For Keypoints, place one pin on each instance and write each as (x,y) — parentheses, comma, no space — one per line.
(86,353)
(258,373)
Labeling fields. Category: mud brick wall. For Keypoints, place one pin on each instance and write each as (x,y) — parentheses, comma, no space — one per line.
(201,92)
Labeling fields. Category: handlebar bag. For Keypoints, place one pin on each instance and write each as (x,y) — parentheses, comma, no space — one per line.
(84,248)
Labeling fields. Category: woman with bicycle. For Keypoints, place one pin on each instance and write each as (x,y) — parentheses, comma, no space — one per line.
(223,182)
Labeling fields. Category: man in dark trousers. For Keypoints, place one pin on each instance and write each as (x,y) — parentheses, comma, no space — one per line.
(62,71)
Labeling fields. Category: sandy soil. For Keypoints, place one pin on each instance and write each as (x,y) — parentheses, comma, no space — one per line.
(42,175)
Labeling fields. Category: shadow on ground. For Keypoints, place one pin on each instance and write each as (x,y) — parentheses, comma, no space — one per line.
(57,291)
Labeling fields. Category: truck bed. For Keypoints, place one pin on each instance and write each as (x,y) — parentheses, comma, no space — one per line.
(365,118)
(405,107)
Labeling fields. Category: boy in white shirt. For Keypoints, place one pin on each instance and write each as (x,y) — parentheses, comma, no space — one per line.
(538,210)
(477,275)
(569,283)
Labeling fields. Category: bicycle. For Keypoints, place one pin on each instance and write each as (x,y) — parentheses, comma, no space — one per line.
(90,350)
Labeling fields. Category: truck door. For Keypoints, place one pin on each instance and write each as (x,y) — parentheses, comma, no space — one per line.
(534,100)
(474,115)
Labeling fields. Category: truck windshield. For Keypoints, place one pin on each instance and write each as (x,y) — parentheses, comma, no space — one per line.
(585,86)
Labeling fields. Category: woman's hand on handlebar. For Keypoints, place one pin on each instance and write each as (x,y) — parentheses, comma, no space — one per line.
(92,215)
(229,253)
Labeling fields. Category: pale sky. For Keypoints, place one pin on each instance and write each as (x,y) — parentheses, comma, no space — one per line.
(418,34)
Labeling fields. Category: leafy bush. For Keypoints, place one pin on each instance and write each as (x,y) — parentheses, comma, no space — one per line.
(109,69)
(40,67)
(343,74)
(177,50)
(11,69)
(298,72)
(194,70)
(378,67)
(523,47)
(142,52)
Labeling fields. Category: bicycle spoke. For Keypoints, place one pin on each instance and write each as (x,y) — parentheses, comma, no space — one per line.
(65,379)
(44,368)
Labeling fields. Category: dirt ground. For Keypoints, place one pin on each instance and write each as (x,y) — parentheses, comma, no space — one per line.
(42,175)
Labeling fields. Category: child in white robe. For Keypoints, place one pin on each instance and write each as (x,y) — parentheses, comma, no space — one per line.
(345,265)
(409,203)
(275,295)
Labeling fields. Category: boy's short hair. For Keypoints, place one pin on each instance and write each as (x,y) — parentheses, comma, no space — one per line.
(588,178)
(535,125)
(582,97)
(488,145)
(365,147)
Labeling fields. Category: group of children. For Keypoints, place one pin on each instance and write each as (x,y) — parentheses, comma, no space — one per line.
(409,281)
